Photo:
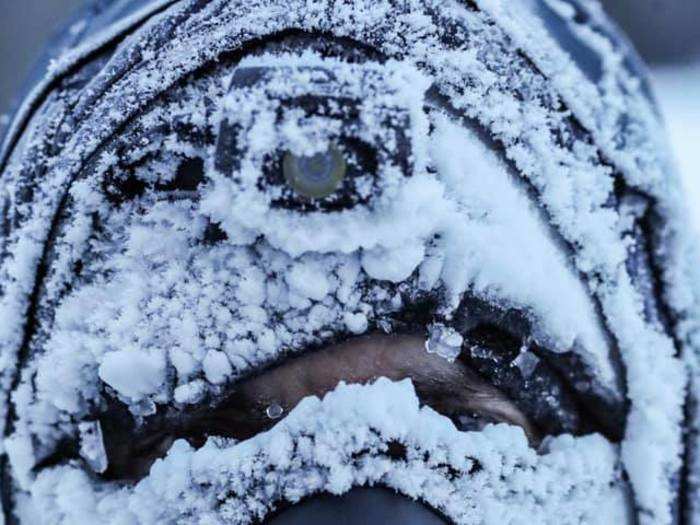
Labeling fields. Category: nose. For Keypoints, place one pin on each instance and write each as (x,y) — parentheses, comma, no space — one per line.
(360,506)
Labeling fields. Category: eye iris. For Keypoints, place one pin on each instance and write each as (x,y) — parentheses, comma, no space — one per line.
(316,176)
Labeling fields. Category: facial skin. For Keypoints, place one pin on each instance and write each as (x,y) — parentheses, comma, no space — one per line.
(314,220)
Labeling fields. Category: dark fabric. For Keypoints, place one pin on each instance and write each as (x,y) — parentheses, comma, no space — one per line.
(362,506)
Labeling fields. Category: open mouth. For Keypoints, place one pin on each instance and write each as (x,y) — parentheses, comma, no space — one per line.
(476,376)
(255,404)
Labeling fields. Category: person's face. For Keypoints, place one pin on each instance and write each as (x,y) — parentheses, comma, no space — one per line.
(312,268)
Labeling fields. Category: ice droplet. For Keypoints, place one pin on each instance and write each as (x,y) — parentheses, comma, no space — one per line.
(526,362)
(92,447)
(143,408)
(274,411)
(481,352)
(384,326)
(444,341)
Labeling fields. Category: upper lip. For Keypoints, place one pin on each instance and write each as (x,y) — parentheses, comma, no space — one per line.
(450,388)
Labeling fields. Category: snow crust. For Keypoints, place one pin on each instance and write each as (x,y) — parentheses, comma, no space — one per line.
(331,445)
(160,318)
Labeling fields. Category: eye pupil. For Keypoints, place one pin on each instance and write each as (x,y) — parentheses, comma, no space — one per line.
(315,176)
(317,168)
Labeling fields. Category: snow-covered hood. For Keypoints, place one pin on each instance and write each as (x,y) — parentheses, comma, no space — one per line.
(505,196)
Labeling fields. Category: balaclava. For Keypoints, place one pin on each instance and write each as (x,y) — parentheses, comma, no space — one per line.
(353,261)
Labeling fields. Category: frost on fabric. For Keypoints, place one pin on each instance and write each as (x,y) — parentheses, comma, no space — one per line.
(160,315)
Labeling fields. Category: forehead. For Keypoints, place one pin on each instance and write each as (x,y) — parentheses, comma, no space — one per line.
(579,147)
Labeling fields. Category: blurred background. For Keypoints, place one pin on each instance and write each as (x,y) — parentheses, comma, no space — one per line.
(666,32)
(25,25)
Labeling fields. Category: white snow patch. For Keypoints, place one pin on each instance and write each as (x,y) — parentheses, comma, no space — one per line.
(392,264)
(133,373)
(356,322)
(216,366)
(308,278)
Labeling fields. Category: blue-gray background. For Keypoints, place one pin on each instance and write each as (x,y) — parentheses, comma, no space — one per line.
(24,27)
(664,30)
